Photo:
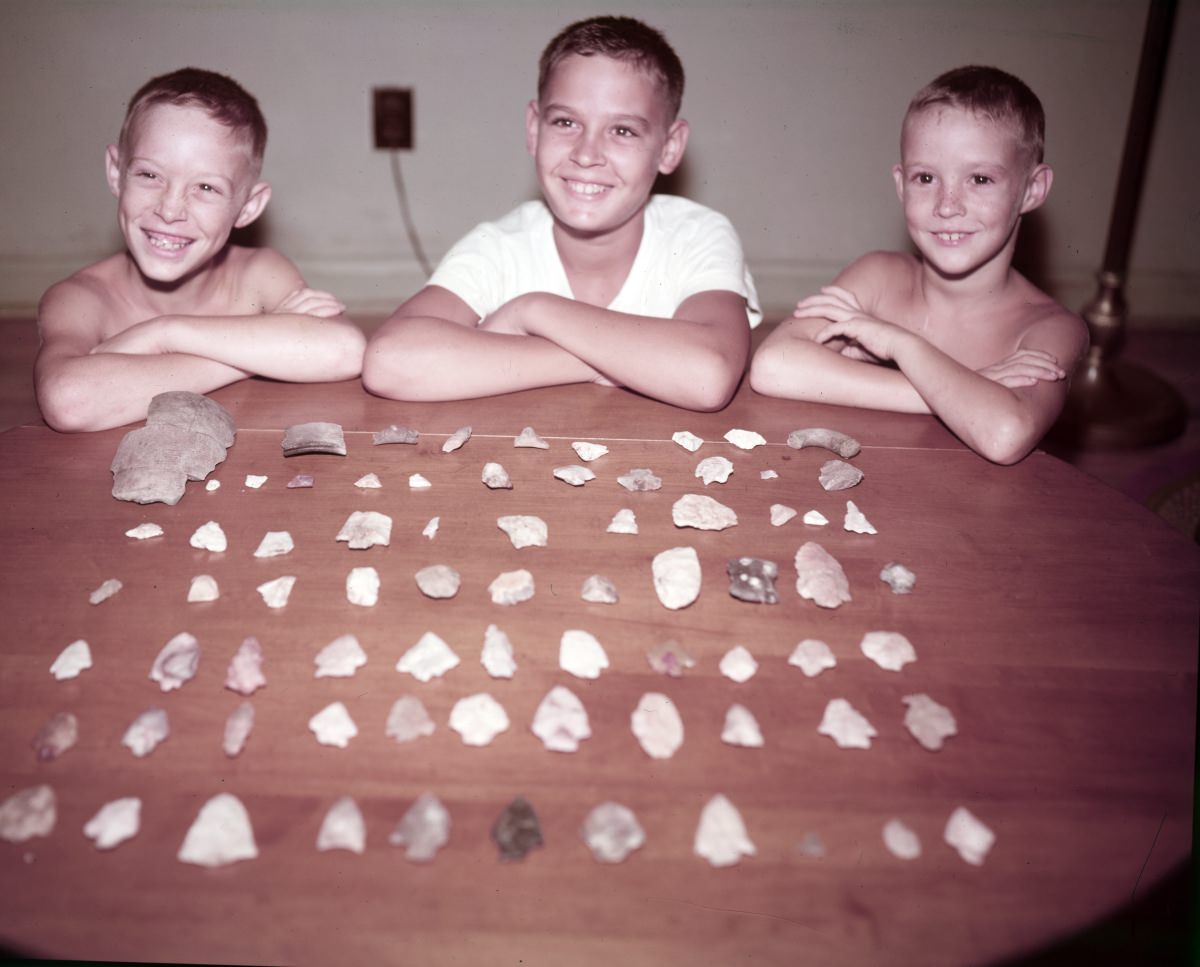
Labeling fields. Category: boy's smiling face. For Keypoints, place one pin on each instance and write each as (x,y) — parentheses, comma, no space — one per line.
(187,182)
(599,135)
(965,180)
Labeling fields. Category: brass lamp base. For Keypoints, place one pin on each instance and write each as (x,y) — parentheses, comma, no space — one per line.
(1116,405)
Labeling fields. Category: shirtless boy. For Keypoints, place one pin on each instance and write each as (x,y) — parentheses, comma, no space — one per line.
(599,281)
(180,308)
(955,330)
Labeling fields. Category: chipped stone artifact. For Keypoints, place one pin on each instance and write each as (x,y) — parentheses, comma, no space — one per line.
(703,513)
(237,729)
(369,481)
(574,474)
(612,832)
(408,720)
(209,537)
(839,475)
(814,518)
(314,438)
(712,469)
(497,654)
(900,840)
(524,530)
(640,479)
(855,521)
(75,658)
(495,477)
(106,590)
(212,486)
(302,481)
(669,658)
(144,531)
(431,528)
(343,828)
(529,438)
(362,586)
(899,578)
(274,544)
(429,658)
(581,654)
(599,590)
(438,581)
(176,662)
(781,514)
(721,837)
(889,650)
(394,434)
(203,588)
(929,722)
(478,719)
(255,480)
(689,441)
(516,832)
(738,665)
(768,475)
(56,736)
(846,726)
(741,728)
(456,439)
(844,446)
(423,830)
(418,481)
(221,834)
(753,579)
(745,439)
(333,725)
(657,726)
(623,522)
(561,721)
(28,813)
(366,528)
(146,732)
(511,587)
(677,577)
(245,675)
(812,657)
(341,658)
(819,577)
(275,593)
(970,837)
(116,822)
(589,451)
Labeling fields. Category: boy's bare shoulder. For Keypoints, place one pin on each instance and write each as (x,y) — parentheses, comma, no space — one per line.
(259,278)
(84,303)
(1043,320)
(880,276)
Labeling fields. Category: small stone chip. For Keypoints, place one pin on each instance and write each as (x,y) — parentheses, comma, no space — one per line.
(275,544)
(144,531)
(738,664)
(341,658)
(116,822)
(528,438)
(301,481)
(418,482)
(712,469)
(640,480)
(703,513)
(511,587)
(497,654)
(741,728)
(75,658)
(574,475)
(369,481)
(781,514)
(561,721)
(589,451)
(254,481)
(812,657)
(423,830)
(517,832)
(599,590)
(689,441)
(768,475)
(362,587)
(623,522)
(394,434)
(753,579)
(657,726)
(745,439)
(612,832)
(146,732)
(212,486)
(929,722)
(221,834)
(721,836)
(275,593)
(899,578)
(819,577)
(366,528)
(57,736)
(203,588)
(28,813)
(244,674)
(343,828)
(581,654)
(431,528)
(177,662)
(677,577)
(889,650)
(456,439)
(429,658)
(438,581)
(495,477)
(237,729)
(856,522)
(839,475)
(846,726)
(901,841)
(209,537)
(333,725)
(970,837)
(105,591)
(814,518)
(408,720)
(478,719)
(524,530)
(670,659)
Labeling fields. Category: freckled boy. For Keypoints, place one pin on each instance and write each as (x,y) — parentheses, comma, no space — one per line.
(180,308)
(600,281)
(954,330)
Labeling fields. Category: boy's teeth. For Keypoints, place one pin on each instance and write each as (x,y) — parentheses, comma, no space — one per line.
(950,236)
(166,244)
(586,189)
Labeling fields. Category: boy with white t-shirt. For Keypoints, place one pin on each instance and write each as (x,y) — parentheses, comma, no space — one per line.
(600,281)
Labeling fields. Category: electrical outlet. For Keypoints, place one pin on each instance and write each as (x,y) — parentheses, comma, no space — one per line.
(393,117)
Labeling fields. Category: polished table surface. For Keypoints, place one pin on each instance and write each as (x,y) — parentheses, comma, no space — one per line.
(1054,617)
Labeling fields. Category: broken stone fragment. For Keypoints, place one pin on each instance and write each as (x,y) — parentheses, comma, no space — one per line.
(640,480)
(812,657)
(438,581)
(456,439)
(781,514)
(343,828)
(362,586)
(589,451)
(366,528)
(901,841)
(28,813)
(581,654)
(844,446)
(819,577)
(75,658)
(846,726)
(529,438)
(899,578)
(855,521)
(209,537)
(561,721)
(275,544)
(497,654)
(689,441)
(105,591)
(929,722)
(176,662)
(221,834)
(839,475)
(144,531)
(574,475)
(753,579)
(768,475)
(524,530)
(255,480)
(237,729)
(670,659)
(814,518)
(423,830)
(599,590)
(341,658)
(495,477)
(333,725)
(275,593)
(478,719)
(516,832)
(56,737)
(712,469)
(394,434)
(811,846)
(429,658)
(889,650)
(116,822)
(703,513)
(623,522)
(408,720)
(970,837)
(301,481)
(612,832)
(657,726)
(745,439)
(512,587)
(146,732)
(203,588)
(431,529)
(741,728)
(369,481)
(245,675)
(418,481)
(212,486)
(677,577)
(721,836)
(314,438)
(738,665)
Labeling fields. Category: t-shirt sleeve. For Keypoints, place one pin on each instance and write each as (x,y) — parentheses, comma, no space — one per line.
(473,269)
(711,257)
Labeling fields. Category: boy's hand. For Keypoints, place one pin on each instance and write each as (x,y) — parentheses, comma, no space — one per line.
(1025,367)
(839,305)
(310,302)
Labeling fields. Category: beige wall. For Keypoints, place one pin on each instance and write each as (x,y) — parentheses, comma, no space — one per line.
(795,108)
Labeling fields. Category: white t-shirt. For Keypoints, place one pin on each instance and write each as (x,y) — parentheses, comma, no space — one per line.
(685,248)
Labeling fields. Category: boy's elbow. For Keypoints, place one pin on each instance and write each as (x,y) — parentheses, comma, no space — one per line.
(67,405)
(396,367)
(711,384)
(767,376)
(347,359)
(1008,441)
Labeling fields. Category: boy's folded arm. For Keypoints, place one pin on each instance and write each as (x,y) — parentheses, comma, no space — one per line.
(431,349)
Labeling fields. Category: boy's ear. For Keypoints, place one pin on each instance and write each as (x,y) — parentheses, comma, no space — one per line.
(112,169)
(672,153)
(260,194)
(1037,188)
(898,178)
(532,117)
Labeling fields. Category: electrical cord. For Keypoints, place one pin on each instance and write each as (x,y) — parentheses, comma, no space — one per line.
(406,215)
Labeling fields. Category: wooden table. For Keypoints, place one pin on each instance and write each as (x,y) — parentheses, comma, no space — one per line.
(1055,618)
